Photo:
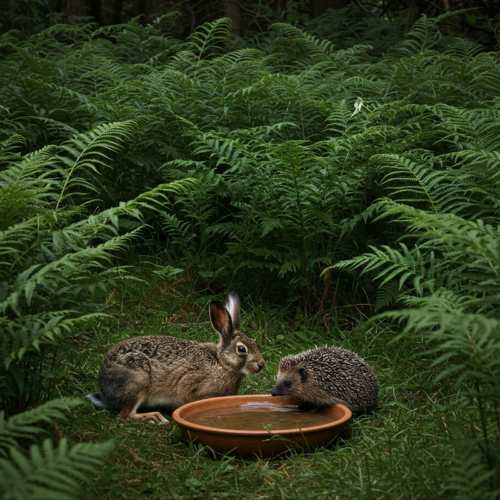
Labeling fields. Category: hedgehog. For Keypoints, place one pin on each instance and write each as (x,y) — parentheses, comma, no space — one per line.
(323,377)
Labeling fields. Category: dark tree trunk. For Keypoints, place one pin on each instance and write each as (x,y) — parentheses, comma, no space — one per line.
(154,8)
(117,9)
(150,9)
(83,8)
(318,7)
(78,8)
(232,10)
(138,8)
(414,7)
(110,11)
(96,11)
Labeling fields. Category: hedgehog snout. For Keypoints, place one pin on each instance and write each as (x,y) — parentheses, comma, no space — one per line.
(278,390)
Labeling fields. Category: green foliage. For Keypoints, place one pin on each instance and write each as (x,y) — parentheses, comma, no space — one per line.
(30,16)
(55,256)
(265,166)
(450,278)
(45,471)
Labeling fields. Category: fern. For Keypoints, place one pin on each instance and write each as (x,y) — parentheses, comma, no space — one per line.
(26,424)
(404,265)
(366,147)
(209,35)
(45,471)
(50,249)
(458,317)
(415,183)
(49,471)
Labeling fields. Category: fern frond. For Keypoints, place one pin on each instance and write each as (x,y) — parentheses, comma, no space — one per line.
(50,472)
(391,264)
(209,35)
(86,150)
(26,424)
(410,183)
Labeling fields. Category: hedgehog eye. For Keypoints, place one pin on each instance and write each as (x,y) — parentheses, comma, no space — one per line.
(288,384)
(242,349)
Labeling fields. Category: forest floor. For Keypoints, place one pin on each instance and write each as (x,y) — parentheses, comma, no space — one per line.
(402,450)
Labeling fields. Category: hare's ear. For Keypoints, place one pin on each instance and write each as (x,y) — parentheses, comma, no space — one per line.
(221,320)
(233,306)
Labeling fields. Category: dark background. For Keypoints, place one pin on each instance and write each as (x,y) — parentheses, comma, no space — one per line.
(480,22)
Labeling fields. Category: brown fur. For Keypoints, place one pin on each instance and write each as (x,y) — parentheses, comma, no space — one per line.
(327,376)
(166,371)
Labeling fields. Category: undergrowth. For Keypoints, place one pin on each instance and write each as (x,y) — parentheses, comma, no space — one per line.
(402,450)
(323,184)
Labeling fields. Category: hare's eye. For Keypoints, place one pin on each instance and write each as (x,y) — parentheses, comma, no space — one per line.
(242,349)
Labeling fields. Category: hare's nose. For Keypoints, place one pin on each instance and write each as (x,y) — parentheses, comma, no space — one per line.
(261,365)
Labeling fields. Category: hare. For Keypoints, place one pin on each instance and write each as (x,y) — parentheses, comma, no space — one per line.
(166,371)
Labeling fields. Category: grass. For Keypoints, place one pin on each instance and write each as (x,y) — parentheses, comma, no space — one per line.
(401,451)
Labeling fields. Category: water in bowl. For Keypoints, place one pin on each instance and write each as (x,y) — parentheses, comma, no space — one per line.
(261,416)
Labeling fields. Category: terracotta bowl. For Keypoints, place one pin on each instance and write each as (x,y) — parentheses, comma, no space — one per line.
(256,443)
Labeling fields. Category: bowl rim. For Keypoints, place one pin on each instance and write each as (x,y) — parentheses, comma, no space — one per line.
(177,417)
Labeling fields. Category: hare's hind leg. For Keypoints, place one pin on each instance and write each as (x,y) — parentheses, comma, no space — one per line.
(130,411)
